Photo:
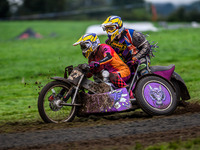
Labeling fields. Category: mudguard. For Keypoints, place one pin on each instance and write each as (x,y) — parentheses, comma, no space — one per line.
(164,71)
(152,75)
(184,93)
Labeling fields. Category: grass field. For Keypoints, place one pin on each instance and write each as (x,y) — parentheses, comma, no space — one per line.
(27,65)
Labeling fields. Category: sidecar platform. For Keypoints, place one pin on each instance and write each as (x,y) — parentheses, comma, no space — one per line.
(114,101)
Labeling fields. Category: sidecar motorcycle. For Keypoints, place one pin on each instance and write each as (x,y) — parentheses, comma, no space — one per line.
(156,93)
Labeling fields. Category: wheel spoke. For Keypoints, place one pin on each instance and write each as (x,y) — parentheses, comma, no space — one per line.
(53,91)
(50,103)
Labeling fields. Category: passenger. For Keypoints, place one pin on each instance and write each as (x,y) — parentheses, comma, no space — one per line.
(129,44)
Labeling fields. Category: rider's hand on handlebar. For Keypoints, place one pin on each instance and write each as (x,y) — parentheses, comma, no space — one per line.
(136,61)
(94,64)
(84,66)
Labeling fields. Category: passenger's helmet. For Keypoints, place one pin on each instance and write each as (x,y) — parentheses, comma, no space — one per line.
(89,43)
(113,26)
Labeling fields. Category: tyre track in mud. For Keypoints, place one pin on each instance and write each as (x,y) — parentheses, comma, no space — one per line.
(129,128)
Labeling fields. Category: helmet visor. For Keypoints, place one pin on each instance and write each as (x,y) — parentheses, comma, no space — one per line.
(110,29)
(85,45)
(86,48)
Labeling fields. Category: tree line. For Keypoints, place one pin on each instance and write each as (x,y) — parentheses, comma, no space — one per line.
(136,10)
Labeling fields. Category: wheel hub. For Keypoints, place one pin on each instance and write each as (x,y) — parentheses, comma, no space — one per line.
(55,105)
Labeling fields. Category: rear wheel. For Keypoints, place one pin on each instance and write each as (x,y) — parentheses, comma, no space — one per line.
(50,102)
(156,96)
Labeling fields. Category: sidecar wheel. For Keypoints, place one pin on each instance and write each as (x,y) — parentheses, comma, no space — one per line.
(156,96)
(49,103)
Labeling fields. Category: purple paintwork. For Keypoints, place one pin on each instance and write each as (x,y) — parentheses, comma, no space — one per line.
(120,99)
(114,101)
(157,95)
(166,73)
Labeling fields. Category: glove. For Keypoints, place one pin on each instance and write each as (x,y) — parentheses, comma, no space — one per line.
(134,60)
(94,64)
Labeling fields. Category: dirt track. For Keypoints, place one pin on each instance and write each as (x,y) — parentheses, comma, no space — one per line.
(116,131)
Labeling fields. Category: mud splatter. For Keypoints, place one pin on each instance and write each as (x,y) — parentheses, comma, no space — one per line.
(100,88)
(188,108)
(94,103)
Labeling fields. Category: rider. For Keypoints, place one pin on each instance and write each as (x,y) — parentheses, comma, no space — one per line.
(103,56)
(130,45)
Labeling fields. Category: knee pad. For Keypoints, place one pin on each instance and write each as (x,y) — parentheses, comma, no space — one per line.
(117,80)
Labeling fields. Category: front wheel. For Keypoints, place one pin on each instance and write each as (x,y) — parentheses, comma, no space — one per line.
(50,102)
(156,96)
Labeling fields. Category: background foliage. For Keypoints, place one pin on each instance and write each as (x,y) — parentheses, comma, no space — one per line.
(137,10)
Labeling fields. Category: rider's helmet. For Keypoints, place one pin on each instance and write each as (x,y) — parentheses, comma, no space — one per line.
(88,42)
(113,26)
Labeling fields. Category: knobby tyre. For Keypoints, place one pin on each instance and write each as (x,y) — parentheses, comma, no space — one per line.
(156,96)
(49,103)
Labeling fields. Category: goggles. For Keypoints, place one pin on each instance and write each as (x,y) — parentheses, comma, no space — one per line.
(85,45)
(86,48)
(109,29)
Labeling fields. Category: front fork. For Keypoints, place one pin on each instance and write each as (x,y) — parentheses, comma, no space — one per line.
(75,94)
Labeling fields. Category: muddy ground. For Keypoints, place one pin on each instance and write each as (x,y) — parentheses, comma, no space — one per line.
(116,131)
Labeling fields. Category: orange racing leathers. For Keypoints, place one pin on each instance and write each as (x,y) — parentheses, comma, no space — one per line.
(107,58)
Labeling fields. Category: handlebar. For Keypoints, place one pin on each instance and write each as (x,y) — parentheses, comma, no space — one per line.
(84,67)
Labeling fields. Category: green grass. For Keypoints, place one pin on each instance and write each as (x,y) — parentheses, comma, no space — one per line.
(27,65)
(24,63)
(193,144)
(181,47)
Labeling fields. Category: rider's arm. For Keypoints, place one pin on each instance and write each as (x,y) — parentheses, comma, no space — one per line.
(106,59)
(107,54)
(139,40)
